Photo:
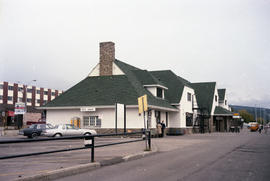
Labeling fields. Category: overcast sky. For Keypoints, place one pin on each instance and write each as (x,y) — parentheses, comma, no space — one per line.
(56,42)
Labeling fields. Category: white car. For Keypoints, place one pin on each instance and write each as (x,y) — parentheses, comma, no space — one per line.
(67,130)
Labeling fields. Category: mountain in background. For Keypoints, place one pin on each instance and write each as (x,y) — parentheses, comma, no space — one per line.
(260,112)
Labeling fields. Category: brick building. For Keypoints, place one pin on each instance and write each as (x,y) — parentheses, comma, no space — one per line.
(11,93)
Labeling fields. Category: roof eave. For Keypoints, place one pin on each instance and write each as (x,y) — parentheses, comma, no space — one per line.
(106,106)
(223,114)
(156,85)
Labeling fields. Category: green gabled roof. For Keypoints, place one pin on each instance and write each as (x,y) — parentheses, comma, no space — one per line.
(107,90)
(221,111)
(146,78)
(132,74)
(205,92)
(221,94)
(185,82)
(174,83)
(100,90)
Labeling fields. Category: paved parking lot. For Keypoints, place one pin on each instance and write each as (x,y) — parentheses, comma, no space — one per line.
(11,169)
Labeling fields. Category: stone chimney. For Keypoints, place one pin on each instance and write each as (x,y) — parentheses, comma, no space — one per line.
(106,58)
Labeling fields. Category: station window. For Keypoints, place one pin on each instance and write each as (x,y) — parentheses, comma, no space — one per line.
(189,96)
(53,93)
(38,91)
(29,90)
(29,100)
(91,121)
(1,86)
(1,97)
(216,98)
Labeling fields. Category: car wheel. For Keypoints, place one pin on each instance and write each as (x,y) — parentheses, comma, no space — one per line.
(34,135)
(57,135)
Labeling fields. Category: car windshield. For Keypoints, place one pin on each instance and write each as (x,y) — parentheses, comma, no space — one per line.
(32,126)
(49,126)
(70,126)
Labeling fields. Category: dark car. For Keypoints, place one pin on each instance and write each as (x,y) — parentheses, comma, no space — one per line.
(34,130)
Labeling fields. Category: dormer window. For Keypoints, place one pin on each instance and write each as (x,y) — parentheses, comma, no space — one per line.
(156,90)
(159,92)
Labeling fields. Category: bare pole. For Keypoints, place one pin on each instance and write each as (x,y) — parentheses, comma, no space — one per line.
(255,113)
(145,135)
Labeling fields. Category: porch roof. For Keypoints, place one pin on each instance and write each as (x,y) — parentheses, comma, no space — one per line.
(220,111)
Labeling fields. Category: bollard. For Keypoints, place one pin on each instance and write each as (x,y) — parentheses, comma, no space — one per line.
(149,140)
(93,150)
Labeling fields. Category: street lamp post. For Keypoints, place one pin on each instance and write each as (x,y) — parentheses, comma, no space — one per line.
(25,92)
(25,95)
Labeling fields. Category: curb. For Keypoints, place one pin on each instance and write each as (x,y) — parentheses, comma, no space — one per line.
(139,155)
(60,173)
(51,175)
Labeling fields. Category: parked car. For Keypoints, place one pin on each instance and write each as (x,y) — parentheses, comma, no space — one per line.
(67,130)
(34,130)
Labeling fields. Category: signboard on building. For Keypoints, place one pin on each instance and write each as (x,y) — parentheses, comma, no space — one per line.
(20,108)
(87,109)
(236,116)
(10,113)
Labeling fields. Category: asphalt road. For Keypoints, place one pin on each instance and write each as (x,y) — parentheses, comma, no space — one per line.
(219,156)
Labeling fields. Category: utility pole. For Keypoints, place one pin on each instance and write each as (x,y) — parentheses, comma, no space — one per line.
(261,114)
(255,113)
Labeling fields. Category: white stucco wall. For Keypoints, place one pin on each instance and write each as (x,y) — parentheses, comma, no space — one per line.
(185,105)
(215,103)
(153,90)
(223,104)
(153,119)
(107,116)
(116,71)
(174,119)
(55,117)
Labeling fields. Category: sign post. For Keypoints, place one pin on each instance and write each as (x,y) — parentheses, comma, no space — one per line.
(20,109)
(143,106)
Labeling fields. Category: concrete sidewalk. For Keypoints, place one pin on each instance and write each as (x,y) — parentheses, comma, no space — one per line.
(53,166)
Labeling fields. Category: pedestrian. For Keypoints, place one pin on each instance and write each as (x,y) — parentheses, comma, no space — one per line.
(260,128)
(163,126)
(159,129)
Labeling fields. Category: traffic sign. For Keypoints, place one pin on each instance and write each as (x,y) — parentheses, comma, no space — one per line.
(142,103)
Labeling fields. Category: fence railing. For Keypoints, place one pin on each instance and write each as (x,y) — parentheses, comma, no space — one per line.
(89,143)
